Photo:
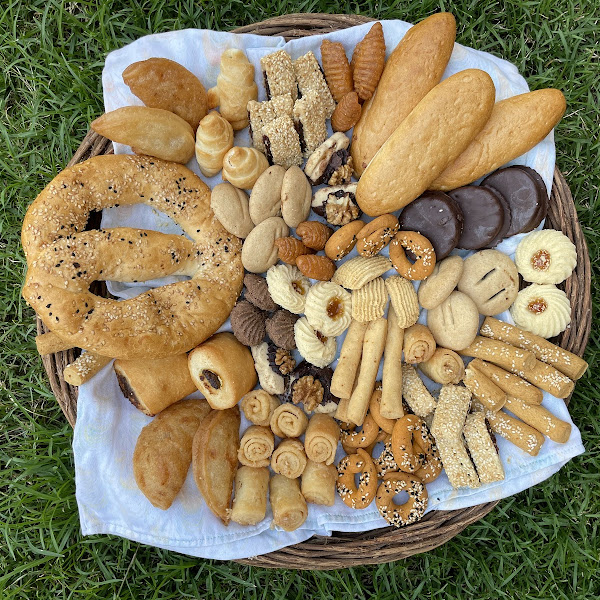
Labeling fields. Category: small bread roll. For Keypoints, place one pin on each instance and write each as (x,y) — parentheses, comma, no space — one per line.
(223,370)
(287,502)
(214,137)
(250,500)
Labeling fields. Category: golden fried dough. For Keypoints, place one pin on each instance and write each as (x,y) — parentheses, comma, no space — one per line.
(163,451)
(215,459)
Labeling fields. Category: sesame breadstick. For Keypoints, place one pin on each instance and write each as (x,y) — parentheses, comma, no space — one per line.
(84,367)
(449,417)
(566,362)
(484,389)
(549,379)
(482,450)
(504,355)
(541,419)
(509,382)
(417,396)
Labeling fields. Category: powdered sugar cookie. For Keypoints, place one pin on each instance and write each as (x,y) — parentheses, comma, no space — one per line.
(328,308)
(313,346)
(546,256)
(288,287)
(542,309)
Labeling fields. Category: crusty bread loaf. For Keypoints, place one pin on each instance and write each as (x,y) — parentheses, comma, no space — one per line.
(515,126)
(437,130)
(154,384)
(413,69)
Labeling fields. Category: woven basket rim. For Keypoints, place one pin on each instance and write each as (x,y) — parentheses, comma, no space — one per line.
(437,527)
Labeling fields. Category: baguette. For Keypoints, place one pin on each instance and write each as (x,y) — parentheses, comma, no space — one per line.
(413,69)
(516,125)
(431,137)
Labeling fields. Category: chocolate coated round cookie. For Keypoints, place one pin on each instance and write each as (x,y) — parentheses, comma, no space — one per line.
(526,196)
(505,225)
(438,217)
(483,215)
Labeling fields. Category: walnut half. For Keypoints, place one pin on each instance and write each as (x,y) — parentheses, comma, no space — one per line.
(309,392)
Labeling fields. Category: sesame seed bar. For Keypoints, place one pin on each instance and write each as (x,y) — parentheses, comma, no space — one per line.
(282,144)
(310,79)
(311,122)
(263,113)
(278,73)
(482,450)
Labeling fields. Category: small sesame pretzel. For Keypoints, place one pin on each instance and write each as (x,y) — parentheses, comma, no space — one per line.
(363,438)
(408,457)
(376,235)
(421,247)
(361,463)
(386,463)
(405,514)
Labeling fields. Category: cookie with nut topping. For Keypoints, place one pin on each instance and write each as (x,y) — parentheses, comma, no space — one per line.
(331,162)
(337,204)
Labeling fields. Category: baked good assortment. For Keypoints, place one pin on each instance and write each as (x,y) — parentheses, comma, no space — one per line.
(301,289)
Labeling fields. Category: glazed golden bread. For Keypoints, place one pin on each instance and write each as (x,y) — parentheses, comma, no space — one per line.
(413,69)
(63,260)
(163,452)
(515,126)
(154,384)
(433,135)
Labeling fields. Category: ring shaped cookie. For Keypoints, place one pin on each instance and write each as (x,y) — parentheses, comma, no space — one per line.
(376,235)
(361,496)
(409,512)
(407,456)
(363,438)
(63,260)
(432,467)
(421,247)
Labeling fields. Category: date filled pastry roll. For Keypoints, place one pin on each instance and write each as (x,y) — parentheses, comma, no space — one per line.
(482,449)
(223,370)
(318,483)
(321,440)
(419,344)
(288,420)
(250,499)
(152,385)
(256,446)
(258,407)
(289,458)
(287,503)
(444,366)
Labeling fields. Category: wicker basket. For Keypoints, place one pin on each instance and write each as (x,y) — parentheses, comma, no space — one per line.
(437,527)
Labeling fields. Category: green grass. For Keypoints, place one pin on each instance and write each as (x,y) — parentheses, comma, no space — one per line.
(542,543)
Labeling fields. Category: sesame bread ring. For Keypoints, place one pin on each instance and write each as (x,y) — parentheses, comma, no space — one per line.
(409,512)
(363,438)
(63,260)
(421,247)
(409,458)
(432,467)
(361,496)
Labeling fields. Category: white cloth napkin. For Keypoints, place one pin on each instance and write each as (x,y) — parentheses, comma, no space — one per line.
(108,425)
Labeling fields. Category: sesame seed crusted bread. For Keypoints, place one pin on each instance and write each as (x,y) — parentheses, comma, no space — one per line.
(63,260)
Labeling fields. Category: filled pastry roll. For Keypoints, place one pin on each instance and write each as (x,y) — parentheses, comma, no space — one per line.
(223,370)
(311,80)
(444,366)
(287,503)
(256,446)
(417,396)
(258,407)
(321,439)
(262,113)
(250,499)
(419,344)
(318,483)
(289,458)
(482,449)
(152,385)
(310,122)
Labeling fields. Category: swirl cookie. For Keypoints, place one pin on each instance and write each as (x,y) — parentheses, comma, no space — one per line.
(288,287)
(313,346)
(542,309)
(328,308)
(546,256)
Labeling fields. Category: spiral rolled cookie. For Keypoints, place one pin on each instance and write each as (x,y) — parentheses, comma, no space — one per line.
(256,446)
(288,420)
(289,458)
(419,344)
(258,407)
(542,309)
(63,260)
(321,439)
(444,366)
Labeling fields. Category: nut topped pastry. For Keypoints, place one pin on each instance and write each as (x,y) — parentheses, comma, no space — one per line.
(331,162)
(310,386)
(310,79)
(262,113)
(337,204)
(278,73)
